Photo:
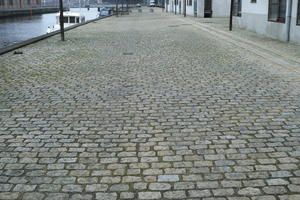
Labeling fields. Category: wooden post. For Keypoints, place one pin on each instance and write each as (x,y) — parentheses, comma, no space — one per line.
(230,20)
(61,20)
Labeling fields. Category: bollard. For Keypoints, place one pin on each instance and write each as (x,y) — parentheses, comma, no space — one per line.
(151,10)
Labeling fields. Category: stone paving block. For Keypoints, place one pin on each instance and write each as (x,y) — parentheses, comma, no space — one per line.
(184,185)
(9,195)
(274,190)
(223,192)
(289,197)
(168,178)
(72,188)
(159,186)
(149,195)
(294,188)
(119,187)
(175,194)
(96,187)
(140,186)
(49,188)
(264,197)
(278,181)
(24,188)
(67,180)
(207,184)
(81,197)
(127,195)
(58,196)
(33,196)
(199,193)
(5,187)
(249,191)
(106,196)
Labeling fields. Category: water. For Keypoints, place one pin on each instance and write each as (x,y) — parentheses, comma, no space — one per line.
(17,29)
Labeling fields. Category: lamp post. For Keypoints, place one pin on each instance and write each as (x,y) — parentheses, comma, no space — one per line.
(230,19)
(61,20)
(117,10)
(184,8)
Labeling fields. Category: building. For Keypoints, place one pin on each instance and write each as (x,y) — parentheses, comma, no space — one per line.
(177,6)
(278,19)
(200,8)
(72,3)
(19,4)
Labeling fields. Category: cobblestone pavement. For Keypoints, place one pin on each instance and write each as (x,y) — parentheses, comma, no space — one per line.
(147,107)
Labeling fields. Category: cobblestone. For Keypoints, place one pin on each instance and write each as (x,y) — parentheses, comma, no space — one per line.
(148,106)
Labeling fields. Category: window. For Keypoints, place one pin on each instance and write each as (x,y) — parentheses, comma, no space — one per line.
(176,2)
(77,19)
(66,20)
(72,19)
(277,10)
(10,2)
(189,2)
(237,8)
(28,2)
(253,1)
(298,14)
(1,2)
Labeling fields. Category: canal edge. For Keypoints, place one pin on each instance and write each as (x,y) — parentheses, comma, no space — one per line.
(44,36)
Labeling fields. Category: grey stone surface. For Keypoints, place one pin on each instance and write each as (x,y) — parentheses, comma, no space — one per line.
(149,106)
(168,178)
(149,195)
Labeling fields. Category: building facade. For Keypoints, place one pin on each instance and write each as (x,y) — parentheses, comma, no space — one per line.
(19,4)
(278,19)
(200,8)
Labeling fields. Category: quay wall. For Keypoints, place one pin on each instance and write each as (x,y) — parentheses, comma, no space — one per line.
(27,11)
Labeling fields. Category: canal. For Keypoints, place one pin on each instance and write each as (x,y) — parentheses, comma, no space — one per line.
(16,29)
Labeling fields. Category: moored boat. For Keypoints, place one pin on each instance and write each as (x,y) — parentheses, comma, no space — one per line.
(69,18)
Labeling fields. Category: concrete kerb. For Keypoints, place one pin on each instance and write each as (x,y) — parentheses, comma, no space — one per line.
(42,37)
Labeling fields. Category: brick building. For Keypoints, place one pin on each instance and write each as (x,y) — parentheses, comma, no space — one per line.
(19,4)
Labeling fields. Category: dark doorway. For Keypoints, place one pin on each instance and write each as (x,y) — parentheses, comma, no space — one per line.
(207,8)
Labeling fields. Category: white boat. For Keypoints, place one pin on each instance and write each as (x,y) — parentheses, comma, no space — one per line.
(105,11)
(70,18)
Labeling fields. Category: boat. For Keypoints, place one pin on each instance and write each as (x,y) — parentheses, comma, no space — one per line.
(70,19)
(104,11)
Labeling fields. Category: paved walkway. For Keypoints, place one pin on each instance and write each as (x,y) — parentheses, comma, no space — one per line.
(148,106)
